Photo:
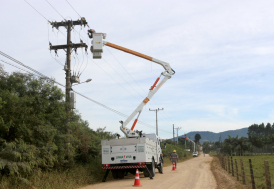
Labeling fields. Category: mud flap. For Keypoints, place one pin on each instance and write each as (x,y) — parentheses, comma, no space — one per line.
(106,175)
(150,176)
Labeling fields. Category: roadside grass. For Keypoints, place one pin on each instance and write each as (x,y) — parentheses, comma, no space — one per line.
(75,177)
(258,169)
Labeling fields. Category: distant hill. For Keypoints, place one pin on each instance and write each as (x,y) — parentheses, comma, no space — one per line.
(208,136)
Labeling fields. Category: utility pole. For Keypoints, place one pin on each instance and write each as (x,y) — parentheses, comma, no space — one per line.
(68,24)
(173,135)
(156,110)
(185,141)
(177,133)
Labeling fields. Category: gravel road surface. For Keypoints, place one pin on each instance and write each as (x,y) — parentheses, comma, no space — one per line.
(193,173)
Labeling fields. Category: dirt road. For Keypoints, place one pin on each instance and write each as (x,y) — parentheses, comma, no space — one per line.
(193,173)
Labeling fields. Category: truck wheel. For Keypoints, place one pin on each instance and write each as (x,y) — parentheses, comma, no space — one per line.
(146,174)
(152,168)
(160,168)
(114,174)
(120,174)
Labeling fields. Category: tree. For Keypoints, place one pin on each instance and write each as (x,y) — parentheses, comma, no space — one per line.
(33,129)
(197,138)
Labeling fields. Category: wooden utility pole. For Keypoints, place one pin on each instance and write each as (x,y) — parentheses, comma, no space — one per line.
(68,24)
(156,110)
(173,135)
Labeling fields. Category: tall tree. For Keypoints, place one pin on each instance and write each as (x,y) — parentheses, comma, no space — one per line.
(197,138)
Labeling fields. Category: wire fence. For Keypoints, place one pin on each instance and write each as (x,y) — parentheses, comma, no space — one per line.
(253,171)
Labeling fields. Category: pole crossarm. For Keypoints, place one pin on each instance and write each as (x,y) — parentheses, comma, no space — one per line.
(72,45)
(81,22)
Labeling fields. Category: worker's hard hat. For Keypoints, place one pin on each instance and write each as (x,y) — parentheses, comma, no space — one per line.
(174,151)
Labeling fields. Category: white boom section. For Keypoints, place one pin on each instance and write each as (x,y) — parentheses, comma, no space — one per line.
(130,132)
(97,50)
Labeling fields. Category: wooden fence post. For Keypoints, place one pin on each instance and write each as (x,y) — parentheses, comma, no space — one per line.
(232,169)
(228,164)
(243,171)
(225,167)
(267,175)
(251,174)
(236,166)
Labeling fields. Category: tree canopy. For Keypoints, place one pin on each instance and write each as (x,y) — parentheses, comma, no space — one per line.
(197,138)
(33,127)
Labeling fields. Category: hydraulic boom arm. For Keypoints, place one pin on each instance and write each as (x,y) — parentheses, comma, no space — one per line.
(97,50)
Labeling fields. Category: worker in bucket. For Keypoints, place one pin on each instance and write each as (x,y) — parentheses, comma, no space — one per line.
(174,157)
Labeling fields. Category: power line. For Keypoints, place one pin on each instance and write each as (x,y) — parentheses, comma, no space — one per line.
(55,9)
(113,78)
(169,121)
(40,74)
(36,11)
(17,67)
(41,15)
(121,77)
(73,8)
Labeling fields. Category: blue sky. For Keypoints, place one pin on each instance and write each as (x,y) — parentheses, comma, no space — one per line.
(222,52)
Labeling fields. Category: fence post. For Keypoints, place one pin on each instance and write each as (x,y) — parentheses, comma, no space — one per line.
(232,169)
(222,158)
(267,175)
(236,166)
(251,174)
(243,171)
(228,164)
(224,163)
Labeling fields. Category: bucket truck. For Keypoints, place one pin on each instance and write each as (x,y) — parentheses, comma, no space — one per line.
(137,150)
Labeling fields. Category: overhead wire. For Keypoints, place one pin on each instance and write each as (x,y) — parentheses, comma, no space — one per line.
(136,82)
(121,77)
(36,10)
(50,51)
(112,78)
(73,8)
(82,62)
(86,63)
(40,74)
(17,67)
(55,9)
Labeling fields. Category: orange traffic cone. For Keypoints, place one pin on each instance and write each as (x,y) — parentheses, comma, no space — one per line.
(137,179)
(173,168)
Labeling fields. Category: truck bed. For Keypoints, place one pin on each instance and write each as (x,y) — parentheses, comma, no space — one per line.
(128,150)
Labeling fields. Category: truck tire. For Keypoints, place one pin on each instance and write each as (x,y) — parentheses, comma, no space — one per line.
(160,168)
(146,174)
(160,165)
(152,168)
(120,174)
(114,174)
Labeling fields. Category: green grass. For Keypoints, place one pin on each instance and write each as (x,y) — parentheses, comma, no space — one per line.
(79,175)
(258,169)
